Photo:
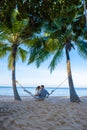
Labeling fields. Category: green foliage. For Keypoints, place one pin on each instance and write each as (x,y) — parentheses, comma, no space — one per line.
(6,7)
(63,21)
(10,62)
(63,25)
(22,54)
(17,25)
(38,53)
(11,38)
(51,44)
(82,48)
(56,58)
(3,50)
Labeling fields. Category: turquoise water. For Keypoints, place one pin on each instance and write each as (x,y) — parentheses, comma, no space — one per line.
(8,91)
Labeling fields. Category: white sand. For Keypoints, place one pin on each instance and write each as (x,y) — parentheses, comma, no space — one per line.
(54,113)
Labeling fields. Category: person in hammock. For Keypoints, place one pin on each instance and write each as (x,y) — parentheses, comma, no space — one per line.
(37,91)
(43,93)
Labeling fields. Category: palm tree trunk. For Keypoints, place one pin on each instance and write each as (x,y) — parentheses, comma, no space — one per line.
(73,96)
(16,95)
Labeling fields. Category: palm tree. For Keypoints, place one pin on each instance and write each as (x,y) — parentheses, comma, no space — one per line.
(12,40)
(54,44)
(64,33)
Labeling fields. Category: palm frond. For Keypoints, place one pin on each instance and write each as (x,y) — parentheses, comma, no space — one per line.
(10,62)
(22,54)
(18,25)
(82,48)
(32,42)
(4,48)
(4,32)
(56,58)
(38,53)
(58,23)
(51,44)
(42,56)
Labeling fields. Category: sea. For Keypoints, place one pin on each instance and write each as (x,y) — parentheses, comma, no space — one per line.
(8,91)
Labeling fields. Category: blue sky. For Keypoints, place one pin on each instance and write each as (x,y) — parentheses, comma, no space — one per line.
(29,75)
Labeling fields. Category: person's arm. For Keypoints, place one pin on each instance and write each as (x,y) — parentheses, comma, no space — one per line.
(47,93)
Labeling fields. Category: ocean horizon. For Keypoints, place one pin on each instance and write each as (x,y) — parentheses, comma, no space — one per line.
(61,91)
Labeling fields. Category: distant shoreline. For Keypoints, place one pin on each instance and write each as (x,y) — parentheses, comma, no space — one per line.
(46,87)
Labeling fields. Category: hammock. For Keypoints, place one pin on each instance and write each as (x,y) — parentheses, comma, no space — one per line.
(36,97)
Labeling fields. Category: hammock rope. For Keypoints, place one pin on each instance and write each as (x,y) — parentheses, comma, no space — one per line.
(24,89)
(49,94)
(59,85)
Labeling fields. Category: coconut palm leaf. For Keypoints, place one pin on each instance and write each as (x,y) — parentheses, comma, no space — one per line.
(56,58)
(17,24)
(10,62)
(22,54)
(38,53)
(4,48)
(82,48)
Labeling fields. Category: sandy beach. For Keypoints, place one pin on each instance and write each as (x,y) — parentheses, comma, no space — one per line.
(54,113)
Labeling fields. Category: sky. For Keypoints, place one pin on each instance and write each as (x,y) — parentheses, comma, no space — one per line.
(30,76)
